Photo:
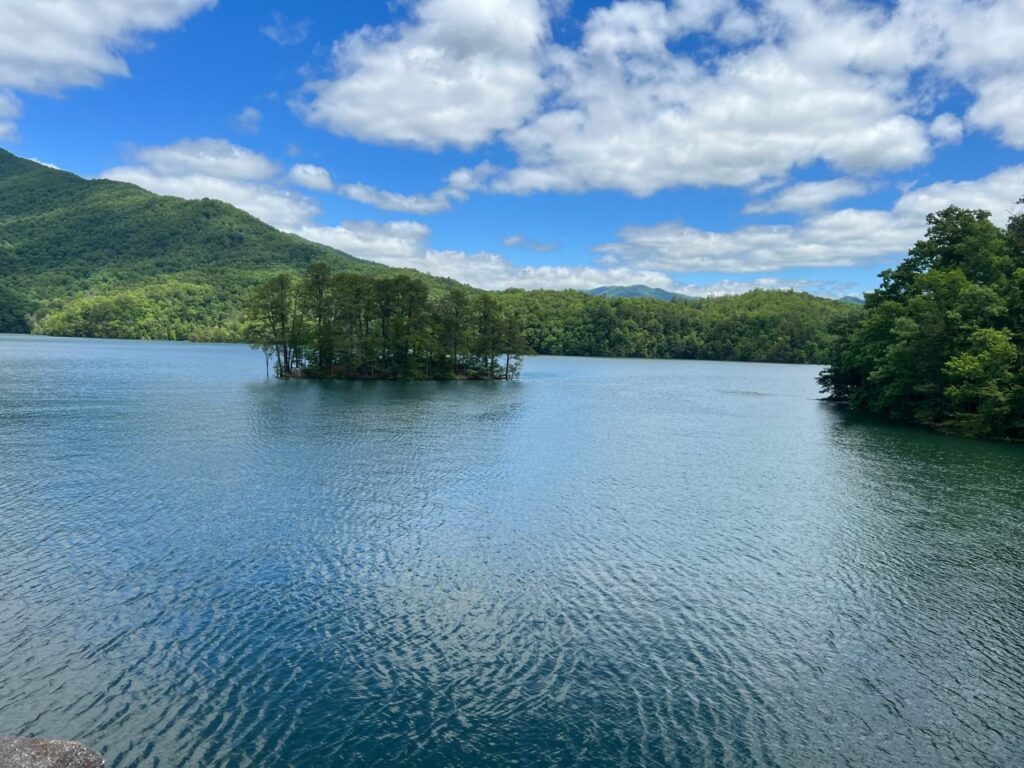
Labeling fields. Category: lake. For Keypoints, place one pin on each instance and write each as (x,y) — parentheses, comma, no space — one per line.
(607,563)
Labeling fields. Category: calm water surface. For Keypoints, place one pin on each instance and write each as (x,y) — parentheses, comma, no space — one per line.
(609,563)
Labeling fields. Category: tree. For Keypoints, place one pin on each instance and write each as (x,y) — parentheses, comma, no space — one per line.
(940,342)
(275,322)
(356,326)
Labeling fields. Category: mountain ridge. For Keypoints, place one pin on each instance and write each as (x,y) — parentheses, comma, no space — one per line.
(66,241)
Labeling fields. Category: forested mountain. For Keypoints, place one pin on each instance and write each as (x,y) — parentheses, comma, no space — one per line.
(636,292)
(941,342)
(109,259)
(759,326)
(105,258)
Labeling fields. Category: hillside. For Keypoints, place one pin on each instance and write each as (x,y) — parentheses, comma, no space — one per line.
(757,326)
(79,255)
(109,259)
(636,292)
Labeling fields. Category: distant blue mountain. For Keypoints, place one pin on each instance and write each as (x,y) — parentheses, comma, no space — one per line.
(852,300)
(637,292)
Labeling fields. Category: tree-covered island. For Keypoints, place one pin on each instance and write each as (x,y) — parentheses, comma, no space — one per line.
(337,324)
(941,342)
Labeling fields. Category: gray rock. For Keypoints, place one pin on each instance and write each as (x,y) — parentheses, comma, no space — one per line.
(40,753)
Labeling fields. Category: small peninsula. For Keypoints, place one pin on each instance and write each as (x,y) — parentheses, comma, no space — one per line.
(941,342)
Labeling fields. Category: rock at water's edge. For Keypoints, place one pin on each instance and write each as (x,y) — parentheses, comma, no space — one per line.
(40,753)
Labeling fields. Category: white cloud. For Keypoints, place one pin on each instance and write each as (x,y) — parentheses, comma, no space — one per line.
(250,119)
(217,169)
(406,244)
(283,32)
(455,73)
(995,192)
(50,45)
(10,111)
(460,183)
(220,170)
(212,157)
(841,238)
(633,114)
(10,105)
(1000,108)
(48,165)
(284,210)
(659,95)
(809,196)
(947,128)
(646,255)
(311,177)
(397,243)
(529,244)
(439,200)
(828,288)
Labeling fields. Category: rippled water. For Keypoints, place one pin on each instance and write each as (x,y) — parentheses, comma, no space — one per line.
(610,562)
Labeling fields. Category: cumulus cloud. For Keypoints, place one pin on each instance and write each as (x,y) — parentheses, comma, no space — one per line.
(842,238)
(646,255)
(947,128)
(634,114)
(439,200)
(809,196)
(10,111)
(48,46)
(211,157)
(658,95)
(311,177)
(459,184)
(250,119)
(455,73)
(406,244)
(217,169)
(1000,108)
(529,244)
(827,288)
(283,32)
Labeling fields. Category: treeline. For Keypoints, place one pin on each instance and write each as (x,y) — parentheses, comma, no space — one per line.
(346,325)
(759,326)
(941,342)
(171,309)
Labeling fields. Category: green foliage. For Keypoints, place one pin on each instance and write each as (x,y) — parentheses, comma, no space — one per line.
(941,341)
(343,325)
(14,312)
(759,326)
(140,265)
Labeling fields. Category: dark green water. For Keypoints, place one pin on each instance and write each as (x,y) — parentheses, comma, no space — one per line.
(609,563)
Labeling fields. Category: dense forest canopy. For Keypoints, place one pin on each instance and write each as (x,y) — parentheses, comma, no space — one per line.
(941,342)
(346,325)
(759,326)
(108,259)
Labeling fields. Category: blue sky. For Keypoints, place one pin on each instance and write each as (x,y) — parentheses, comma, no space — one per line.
(707,146)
